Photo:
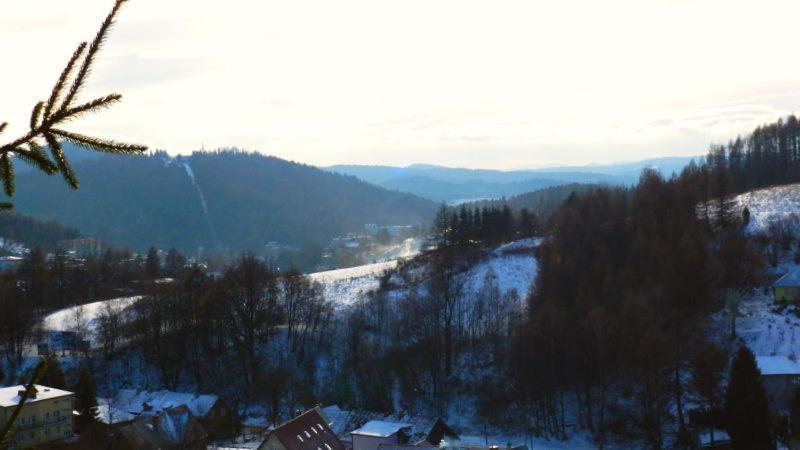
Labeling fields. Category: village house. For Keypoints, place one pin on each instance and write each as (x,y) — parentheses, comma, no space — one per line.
(45,417)
(423,429)
(215,416)
(374,433)
(308,431)
(780,376)
(787,287)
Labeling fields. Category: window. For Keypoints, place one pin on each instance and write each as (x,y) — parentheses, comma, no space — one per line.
(299,438)
(308,435)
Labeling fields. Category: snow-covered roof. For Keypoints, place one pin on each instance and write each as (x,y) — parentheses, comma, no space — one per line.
(343,421)
(791,279)
(379,428)
(778,365)
(134,401)
(9,396)
(719,436)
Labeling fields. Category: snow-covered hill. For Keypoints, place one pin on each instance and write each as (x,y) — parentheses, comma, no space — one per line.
(84,318)
(345,286)
(770,204)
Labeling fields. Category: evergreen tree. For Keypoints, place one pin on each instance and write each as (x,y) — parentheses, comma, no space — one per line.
(746,405)
(53,375)
(152,265)
(174,262)
(85,400)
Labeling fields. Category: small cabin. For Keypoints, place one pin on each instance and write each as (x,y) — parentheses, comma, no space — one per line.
(787,287)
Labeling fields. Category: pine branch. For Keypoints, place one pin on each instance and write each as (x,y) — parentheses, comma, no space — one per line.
(62,81)
(61,161)
(97,43)
(100,145)
(37,158)
(46,116)
(7,174)
(92,106)
(36,115)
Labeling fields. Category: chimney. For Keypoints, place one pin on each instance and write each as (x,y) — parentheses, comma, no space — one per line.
(32,395)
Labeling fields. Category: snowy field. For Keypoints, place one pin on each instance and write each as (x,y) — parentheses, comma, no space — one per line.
(515,271)
(767,329)
(84,318)
(770,204)
(345,286)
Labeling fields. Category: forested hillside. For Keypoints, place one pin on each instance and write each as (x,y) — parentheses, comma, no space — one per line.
(227,199)
(25,230)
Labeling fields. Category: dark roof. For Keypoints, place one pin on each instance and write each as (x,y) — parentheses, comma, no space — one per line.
(308,431)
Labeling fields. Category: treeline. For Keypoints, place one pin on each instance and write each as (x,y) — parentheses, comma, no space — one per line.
(485,226)
(769,156)
(544,203)
(30,232)
(617,319)
(45,283)
(254,335)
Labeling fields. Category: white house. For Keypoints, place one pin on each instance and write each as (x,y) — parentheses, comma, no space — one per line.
(375,433)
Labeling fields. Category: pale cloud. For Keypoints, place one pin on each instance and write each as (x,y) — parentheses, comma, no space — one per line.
(459,82)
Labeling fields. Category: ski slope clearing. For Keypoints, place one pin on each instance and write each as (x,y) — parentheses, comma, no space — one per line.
(346,286)
(769,205)
(85,318)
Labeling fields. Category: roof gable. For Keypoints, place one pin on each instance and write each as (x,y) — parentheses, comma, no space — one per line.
(308,431)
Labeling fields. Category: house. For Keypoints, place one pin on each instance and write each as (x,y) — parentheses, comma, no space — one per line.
(780,376)
(45,417)
(375,433)
(423,429)
(213,413)
(787,287)
(308,431)
(718,440)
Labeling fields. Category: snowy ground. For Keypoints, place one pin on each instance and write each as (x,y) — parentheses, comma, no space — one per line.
(84,318)
(345,286)
(770,204)
(768,329)
(514,271)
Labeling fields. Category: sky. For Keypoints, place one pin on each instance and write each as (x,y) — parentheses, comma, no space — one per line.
(492,84)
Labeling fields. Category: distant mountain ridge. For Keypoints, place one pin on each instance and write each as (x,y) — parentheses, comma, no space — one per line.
(447,184)
(231,199)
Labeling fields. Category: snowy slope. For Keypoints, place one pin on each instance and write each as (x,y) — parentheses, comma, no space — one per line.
(345,286)
(770,204)
(84,318)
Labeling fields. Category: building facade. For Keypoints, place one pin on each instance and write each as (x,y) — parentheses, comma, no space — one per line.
(45,417)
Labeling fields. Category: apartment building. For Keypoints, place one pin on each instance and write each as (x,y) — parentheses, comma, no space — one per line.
(45,417)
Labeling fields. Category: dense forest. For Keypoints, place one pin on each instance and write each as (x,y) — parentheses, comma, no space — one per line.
(26,230)
(240,202)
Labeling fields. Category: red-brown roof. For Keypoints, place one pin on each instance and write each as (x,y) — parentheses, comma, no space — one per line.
(308,431)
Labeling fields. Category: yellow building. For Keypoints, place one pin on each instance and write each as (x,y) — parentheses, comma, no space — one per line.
(46,416)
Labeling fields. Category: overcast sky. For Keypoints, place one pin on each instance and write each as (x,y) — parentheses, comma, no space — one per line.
(500,84)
